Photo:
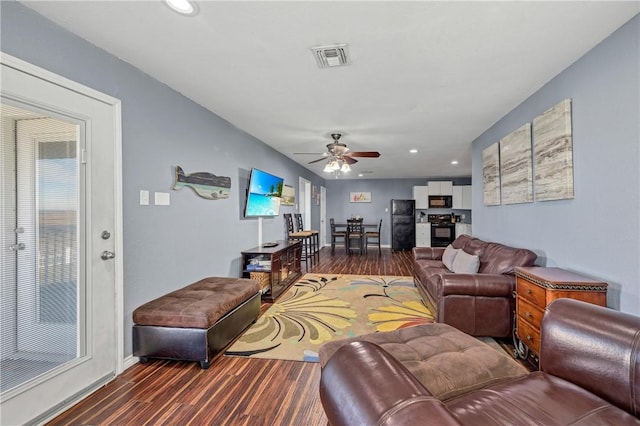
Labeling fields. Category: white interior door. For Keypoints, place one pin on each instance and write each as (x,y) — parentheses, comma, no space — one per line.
(323,215)
(305,202)
(61,223)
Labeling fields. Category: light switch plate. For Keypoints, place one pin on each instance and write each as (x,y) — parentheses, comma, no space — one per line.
(144,197)
(162,198)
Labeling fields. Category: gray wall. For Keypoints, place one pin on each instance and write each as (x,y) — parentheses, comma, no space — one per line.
(164,247)
(596,233)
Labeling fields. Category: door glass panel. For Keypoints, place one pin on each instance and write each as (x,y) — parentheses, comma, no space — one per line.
(40,245)
(57,192)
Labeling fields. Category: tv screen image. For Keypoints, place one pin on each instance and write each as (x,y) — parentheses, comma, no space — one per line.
(263,198)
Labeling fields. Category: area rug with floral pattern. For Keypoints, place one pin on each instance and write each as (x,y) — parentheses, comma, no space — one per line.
(323,307)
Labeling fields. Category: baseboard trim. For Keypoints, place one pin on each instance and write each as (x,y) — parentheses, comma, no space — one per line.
(130,361)
(342,245)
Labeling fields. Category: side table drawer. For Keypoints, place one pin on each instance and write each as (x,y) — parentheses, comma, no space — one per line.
(531,292)
(529,312)
(529,335)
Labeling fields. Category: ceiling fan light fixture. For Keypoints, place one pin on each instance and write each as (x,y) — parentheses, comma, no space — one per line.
(328,168)
(345,168)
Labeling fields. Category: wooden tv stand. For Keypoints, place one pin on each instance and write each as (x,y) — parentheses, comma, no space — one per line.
(275,268)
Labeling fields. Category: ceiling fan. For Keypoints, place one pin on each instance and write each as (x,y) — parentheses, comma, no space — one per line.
(338,151)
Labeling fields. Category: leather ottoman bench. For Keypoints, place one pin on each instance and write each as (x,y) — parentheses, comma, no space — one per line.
(196,322)
(445,360)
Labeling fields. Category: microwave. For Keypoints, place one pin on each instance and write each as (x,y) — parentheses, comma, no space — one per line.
(440,201)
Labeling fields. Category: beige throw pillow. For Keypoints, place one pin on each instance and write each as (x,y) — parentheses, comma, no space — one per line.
(465,263)
(448,256)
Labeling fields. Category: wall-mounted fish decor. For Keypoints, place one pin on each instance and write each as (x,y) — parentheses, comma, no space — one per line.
(207,185)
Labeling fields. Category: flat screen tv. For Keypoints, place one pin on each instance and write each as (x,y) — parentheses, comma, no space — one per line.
(263,196)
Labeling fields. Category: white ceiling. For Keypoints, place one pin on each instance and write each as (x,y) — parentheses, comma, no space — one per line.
(425,74)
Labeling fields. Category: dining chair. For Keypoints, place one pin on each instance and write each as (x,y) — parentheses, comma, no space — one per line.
(355,233)
(303,236)
(373,238)
(315,237)
(335,235)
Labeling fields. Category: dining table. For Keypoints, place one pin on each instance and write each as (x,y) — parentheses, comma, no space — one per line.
(365,225)
(338,226)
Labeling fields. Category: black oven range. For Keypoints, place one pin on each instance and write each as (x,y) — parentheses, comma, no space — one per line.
(443,230)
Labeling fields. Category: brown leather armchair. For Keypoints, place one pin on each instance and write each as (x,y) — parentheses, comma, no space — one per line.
(480,304)
(589,375)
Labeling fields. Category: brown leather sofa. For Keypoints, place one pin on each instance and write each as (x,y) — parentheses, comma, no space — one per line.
(589,375)
(480,304)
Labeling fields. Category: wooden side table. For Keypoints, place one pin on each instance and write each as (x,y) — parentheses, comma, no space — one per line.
(536,287)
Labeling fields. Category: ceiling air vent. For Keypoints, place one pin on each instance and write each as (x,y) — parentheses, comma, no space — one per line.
(332,56)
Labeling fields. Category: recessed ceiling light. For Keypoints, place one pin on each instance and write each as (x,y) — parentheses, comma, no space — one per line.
(184,7)
(454,162)
(360,174)
(413,151)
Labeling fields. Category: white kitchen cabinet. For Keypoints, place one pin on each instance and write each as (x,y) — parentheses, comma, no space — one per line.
(457,197)
(423,234)
(466,197)
(421,196)
(463,228)
(441,187)
(462,197)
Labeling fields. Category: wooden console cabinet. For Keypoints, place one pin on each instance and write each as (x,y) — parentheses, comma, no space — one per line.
(536,287)
(275,268)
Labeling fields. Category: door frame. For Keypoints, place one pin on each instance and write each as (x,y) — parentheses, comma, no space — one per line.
(115,104)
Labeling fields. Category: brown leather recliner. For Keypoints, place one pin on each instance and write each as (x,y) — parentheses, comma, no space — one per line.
(480,304)
(589,375)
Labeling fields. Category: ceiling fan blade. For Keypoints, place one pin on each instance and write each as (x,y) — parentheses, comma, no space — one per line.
(370,154)
(349,160)
(319,159)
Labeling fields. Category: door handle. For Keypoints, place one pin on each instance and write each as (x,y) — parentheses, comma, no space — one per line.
(17,247)
(106,255)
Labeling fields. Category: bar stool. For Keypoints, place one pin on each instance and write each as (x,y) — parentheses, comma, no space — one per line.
(303,236)
(315,238)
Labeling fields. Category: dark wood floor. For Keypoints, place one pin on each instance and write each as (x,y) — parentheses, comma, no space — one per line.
(233,391)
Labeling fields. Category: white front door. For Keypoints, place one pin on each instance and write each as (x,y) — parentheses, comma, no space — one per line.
(60,230)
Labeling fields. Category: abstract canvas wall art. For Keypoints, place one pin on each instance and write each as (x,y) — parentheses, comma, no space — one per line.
(516,172)
(491,175)
(360,197)
(553,153)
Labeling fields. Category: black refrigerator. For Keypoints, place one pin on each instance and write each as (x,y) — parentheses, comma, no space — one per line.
(403,224)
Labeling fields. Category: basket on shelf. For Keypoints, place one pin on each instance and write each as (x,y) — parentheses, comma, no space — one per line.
(263,278)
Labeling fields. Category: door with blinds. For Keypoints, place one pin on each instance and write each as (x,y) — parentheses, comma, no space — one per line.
(58,197)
